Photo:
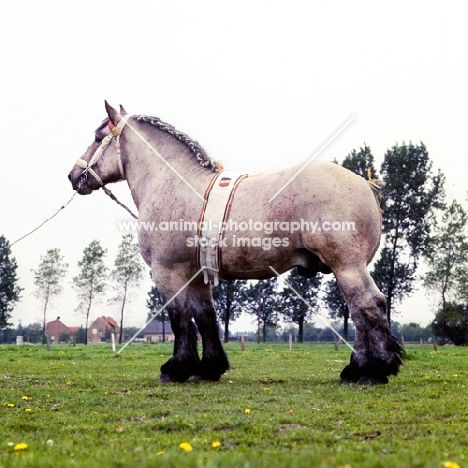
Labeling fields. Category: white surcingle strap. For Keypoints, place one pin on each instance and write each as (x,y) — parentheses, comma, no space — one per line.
(215,212)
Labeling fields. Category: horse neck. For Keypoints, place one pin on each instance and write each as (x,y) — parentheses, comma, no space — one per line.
(157,165)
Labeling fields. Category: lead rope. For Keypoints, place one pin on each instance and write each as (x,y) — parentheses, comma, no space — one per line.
(113,197)
(107,192)
(42,224)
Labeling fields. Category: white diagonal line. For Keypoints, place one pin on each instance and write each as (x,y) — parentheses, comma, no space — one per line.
(327,323)
(155,151)
(161,309)
(312,158)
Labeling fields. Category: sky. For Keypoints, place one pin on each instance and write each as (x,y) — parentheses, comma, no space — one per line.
(261,85)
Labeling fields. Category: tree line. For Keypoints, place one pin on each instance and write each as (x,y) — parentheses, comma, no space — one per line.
(419,228)
(90,284)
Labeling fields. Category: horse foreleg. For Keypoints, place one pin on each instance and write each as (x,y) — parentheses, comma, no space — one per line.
(377,354)
(185,360)
(214,361)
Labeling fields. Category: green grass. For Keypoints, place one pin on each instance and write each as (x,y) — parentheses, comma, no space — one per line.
(102,411)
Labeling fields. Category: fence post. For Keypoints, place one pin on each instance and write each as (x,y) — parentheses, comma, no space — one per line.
(336,341)
(403,341)
(242,343)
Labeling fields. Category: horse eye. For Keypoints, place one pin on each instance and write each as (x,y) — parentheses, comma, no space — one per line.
(97,139)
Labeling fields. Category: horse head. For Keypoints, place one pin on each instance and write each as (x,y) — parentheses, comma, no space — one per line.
(101,163)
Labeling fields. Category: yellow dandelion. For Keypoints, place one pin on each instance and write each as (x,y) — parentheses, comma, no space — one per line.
(451,464)
(28,410)
(69,383)
(266,389)
(247,411)
(216,444)
(27,398)
(186,447)
(345,466)
(21,446)
(161,452)
(10,405)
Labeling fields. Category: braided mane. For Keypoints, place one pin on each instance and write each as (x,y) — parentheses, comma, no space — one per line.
(200,154)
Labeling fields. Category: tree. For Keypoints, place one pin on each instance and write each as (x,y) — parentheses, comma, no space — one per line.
(48,281)
(80,336)
(129,332)
(447,254)
(154,302)
(337,307)
(394,275)
(414,332)
(294,309)
(91,279)
(126,274)
(31,333)
(8,335)
(410,196)
(9,289)
(361,163)
(229,297)
(262,301)
(452,323)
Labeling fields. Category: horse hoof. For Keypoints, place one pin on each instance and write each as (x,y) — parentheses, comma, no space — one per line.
(346,382)
(370,381)
(206,378)
(166,378)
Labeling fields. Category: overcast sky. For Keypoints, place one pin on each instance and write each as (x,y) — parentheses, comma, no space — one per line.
(260,84)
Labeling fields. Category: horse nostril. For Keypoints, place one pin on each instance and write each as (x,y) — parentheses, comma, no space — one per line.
(69,177)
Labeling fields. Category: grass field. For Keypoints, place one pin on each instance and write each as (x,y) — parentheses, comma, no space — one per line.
(84,407)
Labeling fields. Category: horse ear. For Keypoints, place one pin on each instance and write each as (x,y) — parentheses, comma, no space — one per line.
(112,113)
(122,110)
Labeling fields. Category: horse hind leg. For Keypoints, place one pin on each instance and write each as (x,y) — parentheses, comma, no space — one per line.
(377,354)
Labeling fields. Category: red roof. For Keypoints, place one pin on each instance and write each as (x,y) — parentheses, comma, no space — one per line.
(111,321)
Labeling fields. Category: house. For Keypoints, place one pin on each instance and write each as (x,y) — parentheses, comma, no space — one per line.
(100,330)
(73,330)
(157,332)
(55,329)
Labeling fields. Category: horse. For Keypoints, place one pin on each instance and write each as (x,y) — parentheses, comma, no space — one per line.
(169,174)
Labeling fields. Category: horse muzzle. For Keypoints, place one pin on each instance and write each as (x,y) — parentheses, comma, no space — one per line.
(79,182)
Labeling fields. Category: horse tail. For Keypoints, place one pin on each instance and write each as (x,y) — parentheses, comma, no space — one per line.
(376,187)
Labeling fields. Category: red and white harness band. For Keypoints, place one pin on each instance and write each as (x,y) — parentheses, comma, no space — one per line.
(215,212)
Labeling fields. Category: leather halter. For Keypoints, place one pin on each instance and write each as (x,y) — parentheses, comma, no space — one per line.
(115,132)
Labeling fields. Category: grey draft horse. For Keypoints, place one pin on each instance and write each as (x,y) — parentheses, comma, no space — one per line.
(168,174)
